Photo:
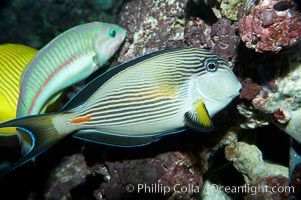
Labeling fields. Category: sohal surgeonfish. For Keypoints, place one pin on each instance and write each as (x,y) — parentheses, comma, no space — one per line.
(69,58)
(140,101)
(13,60)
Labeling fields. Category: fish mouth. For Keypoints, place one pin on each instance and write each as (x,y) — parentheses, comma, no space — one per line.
(221,99)
(232,95)
(238,89)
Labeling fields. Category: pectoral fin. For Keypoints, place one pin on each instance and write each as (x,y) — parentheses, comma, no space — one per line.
(199,119)
(50,104)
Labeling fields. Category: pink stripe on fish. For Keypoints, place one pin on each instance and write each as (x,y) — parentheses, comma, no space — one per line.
(111,47)
(100,44)
(47,81)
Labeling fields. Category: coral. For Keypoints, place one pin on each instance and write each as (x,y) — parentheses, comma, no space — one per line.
(225,8)
(225,39)
(252,120)
(72,173)
(230,8)
(284,101)
(69,174)
(247,159)
(278,99)
(220,37)
(154,25)
(164,170)
(198,33)
(151,25)
(249,89)
(270,25)
(290,122)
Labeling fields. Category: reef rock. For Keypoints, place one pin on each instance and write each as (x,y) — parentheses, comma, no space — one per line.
(223,35)
(220,37)
(270,25)
(248,160)
(68,175)
(164,174)
(225,8)
(260,177)
(283,101)
(151,25)
(276,99)
(154,25)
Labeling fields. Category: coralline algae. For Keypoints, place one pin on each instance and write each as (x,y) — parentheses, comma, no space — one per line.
(152,176)
(154,25)
(270,25)
(281,102)
(277,100)
(248,160)
(225,39)
(225,8)
(151,25)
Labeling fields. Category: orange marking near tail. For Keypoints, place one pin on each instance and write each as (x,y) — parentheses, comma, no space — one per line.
(80,120)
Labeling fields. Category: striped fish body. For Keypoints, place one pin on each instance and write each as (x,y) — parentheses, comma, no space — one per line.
(69,58)
(151,97)
(13,59)
(139,101)
(143,99)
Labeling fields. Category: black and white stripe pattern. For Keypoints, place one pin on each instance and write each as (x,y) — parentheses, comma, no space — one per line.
(154,91)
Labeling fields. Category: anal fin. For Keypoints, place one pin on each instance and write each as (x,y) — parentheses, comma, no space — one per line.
(114,140)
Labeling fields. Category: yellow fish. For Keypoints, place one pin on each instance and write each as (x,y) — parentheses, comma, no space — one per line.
(13,59)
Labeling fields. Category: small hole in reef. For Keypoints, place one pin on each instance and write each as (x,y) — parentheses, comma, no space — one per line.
(282,6)
(254,41)
(200,9)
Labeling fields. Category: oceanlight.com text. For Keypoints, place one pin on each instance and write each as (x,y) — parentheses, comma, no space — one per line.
(159,188)
(251,189)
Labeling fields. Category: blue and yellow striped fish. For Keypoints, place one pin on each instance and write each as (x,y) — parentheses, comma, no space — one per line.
(13,60)
(67,59)
(140,101)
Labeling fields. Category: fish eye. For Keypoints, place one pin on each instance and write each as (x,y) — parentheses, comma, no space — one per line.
(211,66)
(112,33)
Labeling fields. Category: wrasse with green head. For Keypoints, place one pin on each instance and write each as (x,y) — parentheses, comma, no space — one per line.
(67,59)
(13,60)
(140,101)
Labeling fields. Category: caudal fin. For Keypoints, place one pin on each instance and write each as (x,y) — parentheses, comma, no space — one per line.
(41,130)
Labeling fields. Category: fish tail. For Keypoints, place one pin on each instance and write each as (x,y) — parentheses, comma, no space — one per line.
(42,131)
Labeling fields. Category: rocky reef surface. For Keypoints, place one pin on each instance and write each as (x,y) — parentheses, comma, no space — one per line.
(253,137)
